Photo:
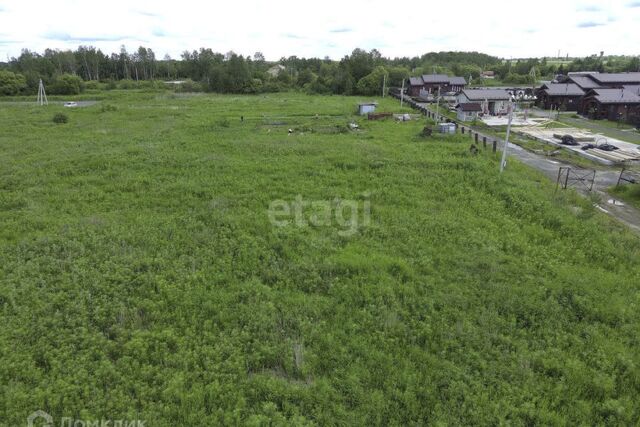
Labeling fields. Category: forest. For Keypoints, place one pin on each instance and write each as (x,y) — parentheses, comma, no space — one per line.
(362,72)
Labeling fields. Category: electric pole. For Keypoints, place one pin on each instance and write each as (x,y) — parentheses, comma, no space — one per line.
(42,96)
(503,163)
(438,104)
(384,83)
(402,93)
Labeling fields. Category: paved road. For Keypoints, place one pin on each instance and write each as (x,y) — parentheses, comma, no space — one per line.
(604,179)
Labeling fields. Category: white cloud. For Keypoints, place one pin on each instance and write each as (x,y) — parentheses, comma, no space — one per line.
(333,28)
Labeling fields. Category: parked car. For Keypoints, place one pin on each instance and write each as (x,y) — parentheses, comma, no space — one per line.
(70,104)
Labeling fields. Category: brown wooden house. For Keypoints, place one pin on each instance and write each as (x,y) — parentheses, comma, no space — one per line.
(416,85)
(613,104)
(429,84)
(559,96)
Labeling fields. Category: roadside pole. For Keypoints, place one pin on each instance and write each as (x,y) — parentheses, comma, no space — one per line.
(438,104)
(503,163)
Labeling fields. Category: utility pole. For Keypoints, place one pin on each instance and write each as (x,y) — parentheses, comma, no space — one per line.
(503,163)
(384,83)
(438,104)
(402,93)
(42,96)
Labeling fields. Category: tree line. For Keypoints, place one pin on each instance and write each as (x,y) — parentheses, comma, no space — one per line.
(362,72)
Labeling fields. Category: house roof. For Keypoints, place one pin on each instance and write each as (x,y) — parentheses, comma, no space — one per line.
(616,96)
(457,81)
(435,78)
(415,81)
(469,106)
(585,82)
(609,78)
(562,89)
(488,94)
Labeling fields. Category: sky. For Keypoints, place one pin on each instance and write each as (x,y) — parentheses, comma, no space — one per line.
(508,29)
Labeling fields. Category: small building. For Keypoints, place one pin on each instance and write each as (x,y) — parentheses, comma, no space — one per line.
(429,84)
(613,104)
(488,75)
(416,85)
(365,108)
(433,82)
(492,101)
(559,96)
(469,111)
(456,84)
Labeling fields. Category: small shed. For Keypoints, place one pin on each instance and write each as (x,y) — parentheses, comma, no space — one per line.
(365,108)
(468,111)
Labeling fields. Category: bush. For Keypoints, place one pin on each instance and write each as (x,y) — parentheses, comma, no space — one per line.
(67,84)
(11,83)
(60,118)
(127,84)
(108,107)
(223,123)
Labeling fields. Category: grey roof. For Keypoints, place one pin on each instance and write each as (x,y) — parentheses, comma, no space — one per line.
(488,94)
(435,78)
(415,81)
(562,89)
(469,106)
(604,78)
(616,96)
(457,81)
(584,82)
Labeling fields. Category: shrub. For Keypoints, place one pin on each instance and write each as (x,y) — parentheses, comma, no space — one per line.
(67,84)
(60,118)
(11,83)
(223,123)
(127,84)
(108,107)
(92,85)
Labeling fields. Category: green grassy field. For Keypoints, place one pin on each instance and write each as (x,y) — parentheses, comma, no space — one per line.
(142,277)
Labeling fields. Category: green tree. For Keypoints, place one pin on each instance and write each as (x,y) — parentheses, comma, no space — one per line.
(67,84)
(371,84)
(11,83)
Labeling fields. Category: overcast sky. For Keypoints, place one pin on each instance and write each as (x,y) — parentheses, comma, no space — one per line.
(325,28)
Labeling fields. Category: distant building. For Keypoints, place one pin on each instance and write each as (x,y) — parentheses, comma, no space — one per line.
(416,85)
(604,95)
(560,96)
(365,108)
(613,104)
(429,84)
(488,75)
(276,70)
(469,111)
(492,101)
